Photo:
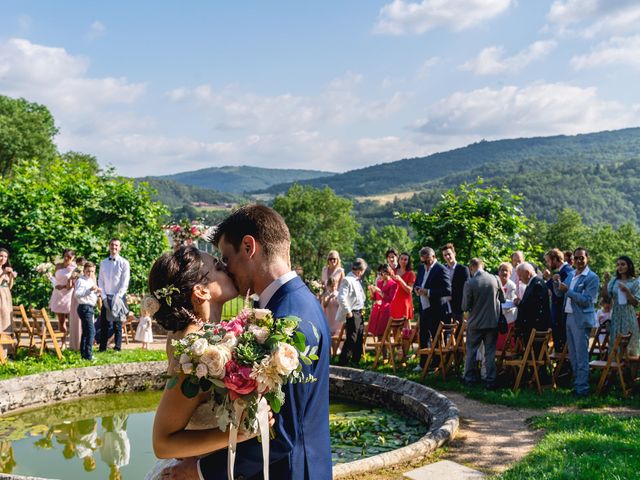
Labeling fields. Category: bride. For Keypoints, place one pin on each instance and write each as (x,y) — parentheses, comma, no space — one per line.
(192,287)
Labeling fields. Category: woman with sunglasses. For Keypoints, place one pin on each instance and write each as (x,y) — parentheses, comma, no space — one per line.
(333,268)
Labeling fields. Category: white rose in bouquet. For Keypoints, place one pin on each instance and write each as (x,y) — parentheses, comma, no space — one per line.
(260,333)
(184,358)
(285,358)
(230,339)
(261,313)
(215,358)
(199,346)
(201,370)
(187,368)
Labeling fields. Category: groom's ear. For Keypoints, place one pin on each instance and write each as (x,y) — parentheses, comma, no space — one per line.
(249,246)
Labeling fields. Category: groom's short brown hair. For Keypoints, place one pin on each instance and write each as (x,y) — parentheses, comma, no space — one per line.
(262,223)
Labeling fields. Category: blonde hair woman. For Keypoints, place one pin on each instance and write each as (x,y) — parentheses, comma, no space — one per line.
(333,268)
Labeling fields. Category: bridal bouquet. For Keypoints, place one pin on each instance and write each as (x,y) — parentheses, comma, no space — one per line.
(243,360)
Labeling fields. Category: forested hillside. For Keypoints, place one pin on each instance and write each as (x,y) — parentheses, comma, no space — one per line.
(242,178)
(489,159)
(175,194)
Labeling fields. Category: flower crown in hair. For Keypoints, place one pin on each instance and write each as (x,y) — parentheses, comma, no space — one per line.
(151,303)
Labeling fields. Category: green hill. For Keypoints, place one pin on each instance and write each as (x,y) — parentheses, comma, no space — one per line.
(175,194)
(242,178)
(489,159)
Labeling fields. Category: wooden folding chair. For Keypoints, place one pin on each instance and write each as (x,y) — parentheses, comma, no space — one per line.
(45,332)
(5,339)
(390,341)
(538,342)
(461,345)
(616,360)
(337,340)
(600,342)
(511,349)
(443,346)
(21,324)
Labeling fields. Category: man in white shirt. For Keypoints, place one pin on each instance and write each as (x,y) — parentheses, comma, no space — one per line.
(351,300)
(113,281)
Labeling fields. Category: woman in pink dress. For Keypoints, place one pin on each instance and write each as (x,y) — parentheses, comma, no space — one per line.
(405,277)
(381,294)
(330,305)
(60,302)
(333,268)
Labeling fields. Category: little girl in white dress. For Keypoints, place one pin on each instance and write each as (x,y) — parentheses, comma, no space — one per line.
(144,331)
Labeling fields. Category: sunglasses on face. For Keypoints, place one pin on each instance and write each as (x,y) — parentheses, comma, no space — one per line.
(332,259)
(579,258)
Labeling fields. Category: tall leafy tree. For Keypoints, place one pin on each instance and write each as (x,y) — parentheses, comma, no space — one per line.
(374,243)
(72,206)
(481,221)
(319,221)
(26,132)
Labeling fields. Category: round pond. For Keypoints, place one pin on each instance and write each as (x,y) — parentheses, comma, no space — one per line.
(109,436)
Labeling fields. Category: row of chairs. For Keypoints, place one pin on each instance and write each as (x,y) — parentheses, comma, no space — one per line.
(448,350)
(37,333)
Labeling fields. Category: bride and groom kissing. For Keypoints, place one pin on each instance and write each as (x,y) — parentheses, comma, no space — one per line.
(254,243)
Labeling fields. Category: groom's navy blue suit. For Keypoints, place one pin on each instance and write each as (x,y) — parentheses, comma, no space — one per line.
(301,449)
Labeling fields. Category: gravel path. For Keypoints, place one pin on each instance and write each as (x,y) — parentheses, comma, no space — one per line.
(491,437)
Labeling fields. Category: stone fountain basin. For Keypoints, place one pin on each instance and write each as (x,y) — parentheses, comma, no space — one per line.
(439,415)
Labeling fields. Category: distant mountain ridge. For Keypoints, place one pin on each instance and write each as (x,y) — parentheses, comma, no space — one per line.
(241,179)
(486,158)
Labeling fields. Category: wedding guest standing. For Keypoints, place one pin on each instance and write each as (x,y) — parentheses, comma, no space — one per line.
(86,293)
(144,331)
(7,276)
(580,290)
(333,269)
(392,258)
(351,299)
(459,274)
(554,259)
(381,294)
(330,305)
(60,302)
(113,281)
(509,310)
(623,292)
(405,277)
(533,308)
(75,324)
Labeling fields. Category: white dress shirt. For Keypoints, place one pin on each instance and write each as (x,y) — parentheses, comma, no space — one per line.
(273,287)
(83,292)
(114,276)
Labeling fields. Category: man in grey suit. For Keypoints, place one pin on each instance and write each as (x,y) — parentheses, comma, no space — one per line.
(481,297)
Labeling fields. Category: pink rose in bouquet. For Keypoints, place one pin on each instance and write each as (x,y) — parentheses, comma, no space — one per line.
(238,379)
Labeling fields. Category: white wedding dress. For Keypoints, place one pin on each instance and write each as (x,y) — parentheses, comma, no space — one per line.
(201,419)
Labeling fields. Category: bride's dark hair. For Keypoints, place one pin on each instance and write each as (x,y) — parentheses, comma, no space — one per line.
(182,269)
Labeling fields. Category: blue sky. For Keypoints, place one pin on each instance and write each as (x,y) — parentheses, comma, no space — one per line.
(161,87)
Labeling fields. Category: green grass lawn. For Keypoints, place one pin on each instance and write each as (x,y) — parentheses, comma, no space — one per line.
(28,365)
(582,446)
(524,398)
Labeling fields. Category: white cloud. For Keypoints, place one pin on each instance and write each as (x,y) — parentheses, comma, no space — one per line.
(426,68)
(338,104)
(589,18)
(491,60)
(404,18)
(538,109)
(616,51)
(97,29)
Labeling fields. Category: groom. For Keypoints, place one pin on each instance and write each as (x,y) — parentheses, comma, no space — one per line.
(254,242)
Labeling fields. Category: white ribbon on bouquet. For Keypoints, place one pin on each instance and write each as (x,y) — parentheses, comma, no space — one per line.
(262,416)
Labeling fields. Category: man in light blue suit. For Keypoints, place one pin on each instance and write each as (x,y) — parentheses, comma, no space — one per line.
(580,291)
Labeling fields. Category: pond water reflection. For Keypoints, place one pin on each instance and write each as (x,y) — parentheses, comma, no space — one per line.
(109,437)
